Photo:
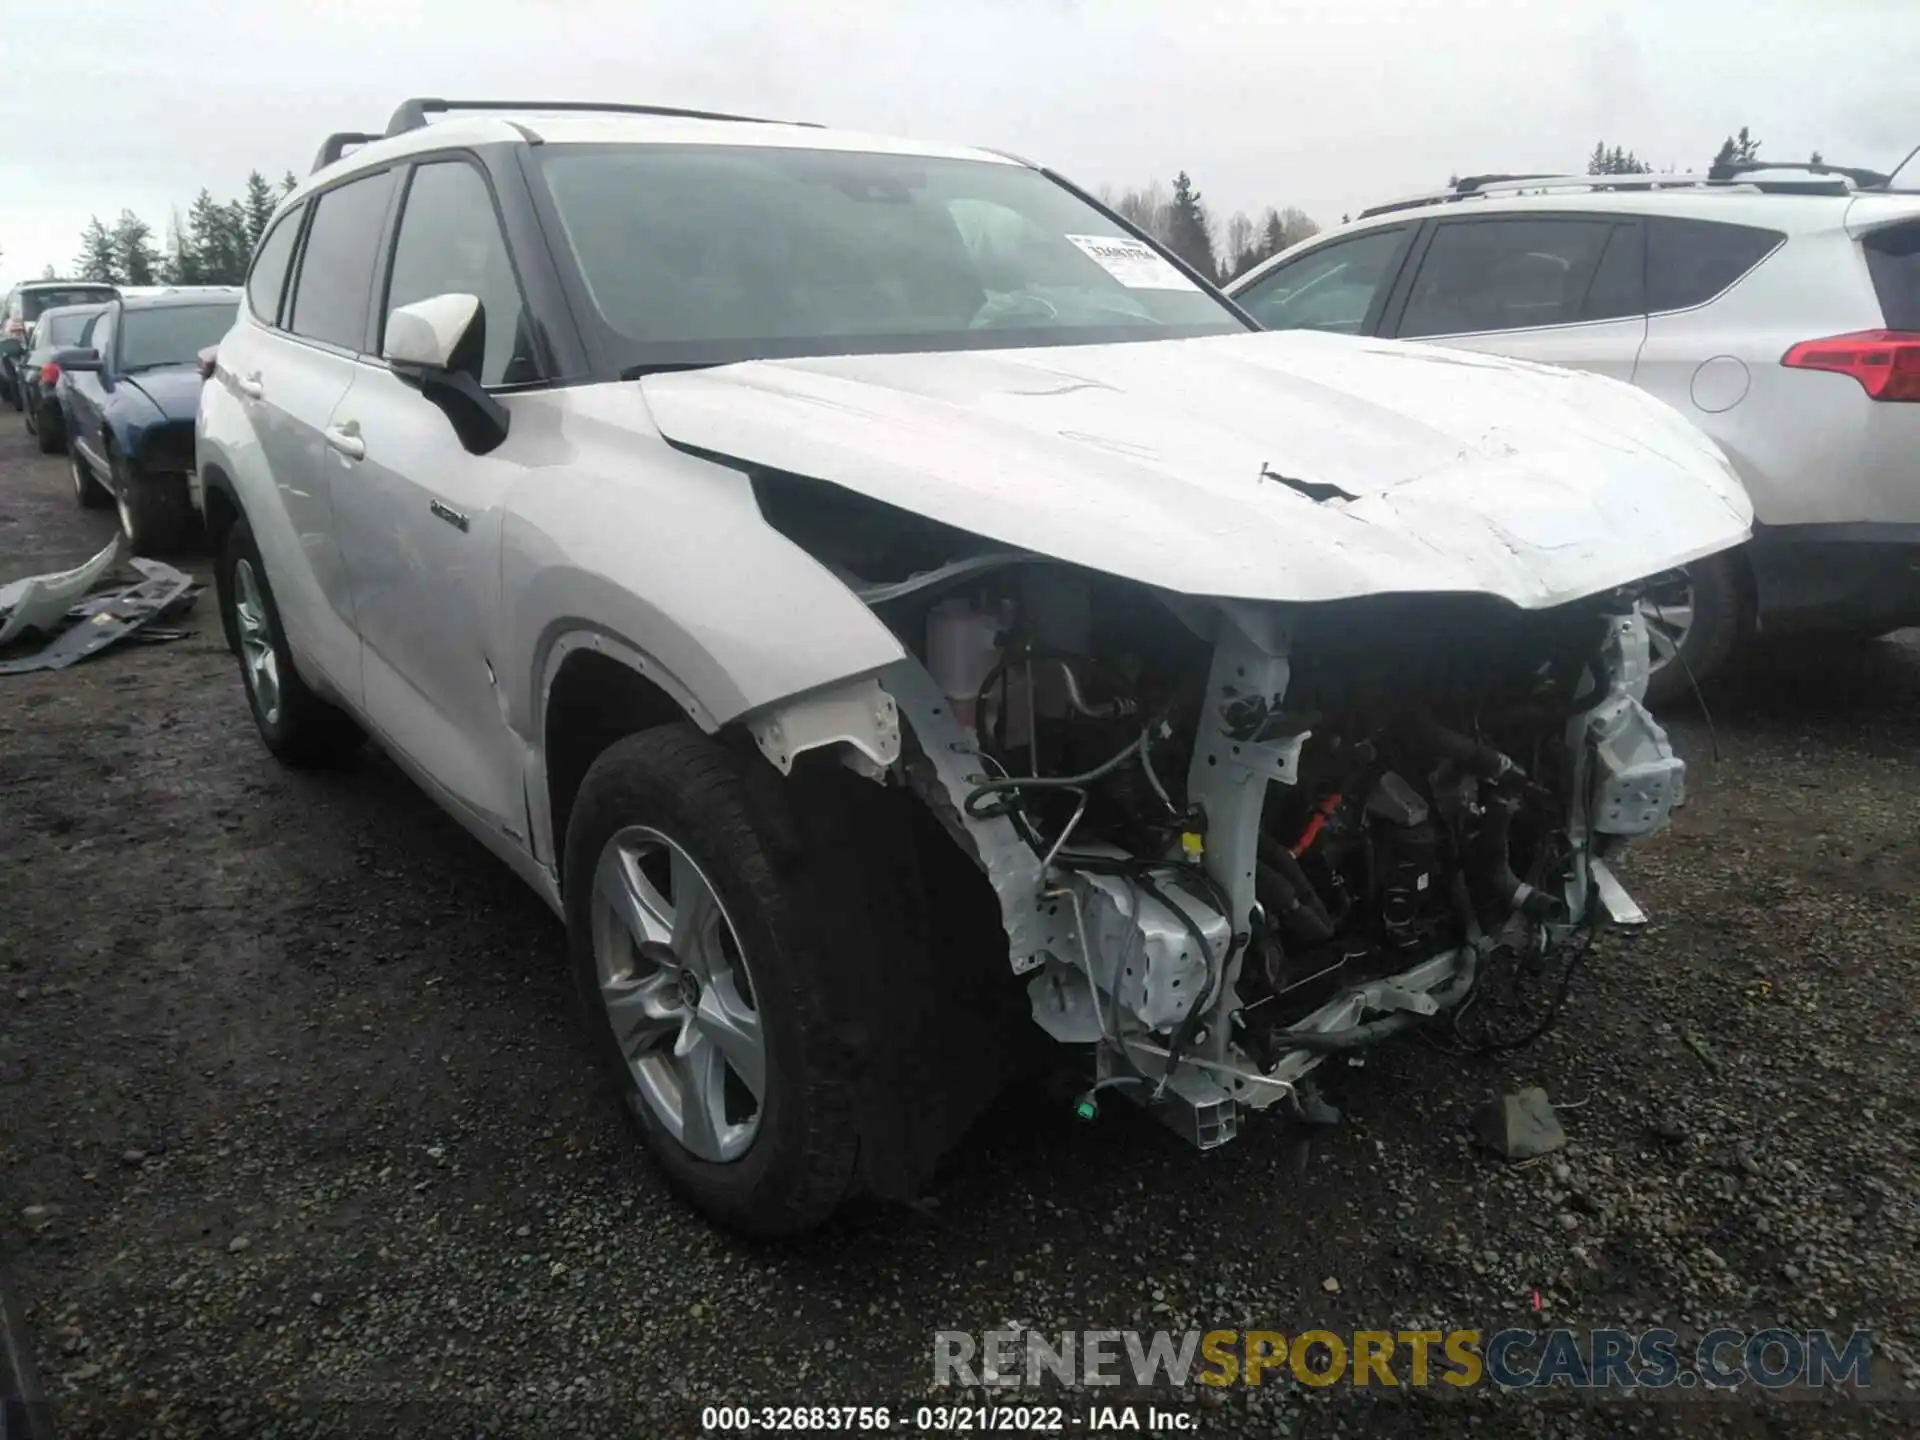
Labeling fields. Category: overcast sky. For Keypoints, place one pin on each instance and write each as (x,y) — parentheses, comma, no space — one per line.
(1324,104)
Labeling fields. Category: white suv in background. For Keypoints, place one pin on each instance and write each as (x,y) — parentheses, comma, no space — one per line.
(1777,307)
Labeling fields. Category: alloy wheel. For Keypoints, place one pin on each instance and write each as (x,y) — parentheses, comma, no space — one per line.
(677,991)
(1667,605)
(258,660)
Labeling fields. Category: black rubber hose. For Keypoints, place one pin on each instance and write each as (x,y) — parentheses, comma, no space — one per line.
(1282,860)
(1493,866)
(1280,900)
(1466,752)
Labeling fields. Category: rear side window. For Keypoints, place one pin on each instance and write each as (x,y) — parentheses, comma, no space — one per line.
(336,266)
(1691,261)
(1515,275)
(1893,259)
(269,275)
(1329,288)
(35,302)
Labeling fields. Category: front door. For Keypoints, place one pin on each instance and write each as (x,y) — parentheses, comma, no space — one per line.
(419,516)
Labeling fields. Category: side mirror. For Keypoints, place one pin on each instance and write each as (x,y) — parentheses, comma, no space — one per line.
(437,344)
(84,358)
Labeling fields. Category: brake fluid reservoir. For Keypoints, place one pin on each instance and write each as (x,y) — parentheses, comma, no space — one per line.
(962,647)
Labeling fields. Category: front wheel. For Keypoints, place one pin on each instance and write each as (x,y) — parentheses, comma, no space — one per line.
(297,725)
(1697,617)
(89,492)
(694,921)
(156,513)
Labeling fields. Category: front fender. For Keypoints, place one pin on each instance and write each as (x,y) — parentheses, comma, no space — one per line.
(666,556)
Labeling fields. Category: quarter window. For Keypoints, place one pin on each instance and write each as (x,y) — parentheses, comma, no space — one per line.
(330,297)
(1515,275)
(269,276)
(449,242)
(1330,288)
(1691,261)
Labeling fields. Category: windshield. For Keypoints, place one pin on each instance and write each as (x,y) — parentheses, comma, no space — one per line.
(172,334)
(63,327)
(710,254)
(34,303)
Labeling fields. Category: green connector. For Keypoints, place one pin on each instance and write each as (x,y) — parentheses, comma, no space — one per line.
(1086,1107)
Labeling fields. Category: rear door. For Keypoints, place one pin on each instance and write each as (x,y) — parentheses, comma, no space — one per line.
(291,375)
(1561,289)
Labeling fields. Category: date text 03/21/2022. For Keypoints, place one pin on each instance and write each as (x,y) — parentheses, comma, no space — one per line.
(948,1419)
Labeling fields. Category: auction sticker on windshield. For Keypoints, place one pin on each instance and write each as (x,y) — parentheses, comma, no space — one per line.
(1134,263)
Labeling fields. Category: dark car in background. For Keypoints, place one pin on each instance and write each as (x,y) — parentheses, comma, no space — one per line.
(61,328)
(130,392)
(26,303)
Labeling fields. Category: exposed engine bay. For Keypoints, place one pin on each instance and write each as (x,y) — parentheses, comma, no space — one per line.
(1230,839)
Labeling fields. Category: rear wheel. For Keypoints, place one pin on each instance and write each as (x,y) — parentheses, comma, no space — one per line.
(694,920)
(49,433)
(297,725)
(28,410)
(1696,619)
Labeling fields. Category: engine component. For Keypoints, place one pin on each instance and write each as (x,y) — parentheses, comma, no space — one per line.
(962,649)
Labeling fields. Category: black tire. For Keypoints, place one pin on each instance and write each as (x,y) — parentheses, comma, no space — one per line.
(156,512)
(1722,622)
(27,411)
(298,726)
(729,813)
(88,491)
(49,434)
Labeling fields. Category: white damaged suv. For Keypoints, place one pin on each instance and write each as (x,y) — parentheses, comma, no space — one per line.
(895,613)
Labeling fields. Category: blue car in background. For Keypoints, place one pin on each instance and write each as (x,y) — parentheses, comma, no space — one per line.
(129,393)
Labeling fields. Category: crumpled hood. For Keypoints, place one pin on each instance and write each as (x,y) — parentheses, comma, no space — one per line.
(1469,472)
(175,392)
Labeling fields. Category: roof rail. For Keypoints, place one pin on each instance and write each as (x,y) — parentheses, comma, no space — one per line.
(336,145)
(1864,179)
(412,114)
(1825,180)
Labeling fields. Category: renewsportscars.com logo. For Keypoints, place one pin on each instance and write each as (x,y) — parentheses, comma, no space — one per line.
(1516,1359)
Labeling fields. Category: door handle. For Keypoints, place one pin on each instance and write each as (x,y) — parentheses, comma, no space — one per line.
(346,439)
(249,385)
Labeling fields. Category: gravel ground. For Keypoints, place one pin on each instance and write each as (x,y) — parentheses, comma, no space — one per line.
(298,1133)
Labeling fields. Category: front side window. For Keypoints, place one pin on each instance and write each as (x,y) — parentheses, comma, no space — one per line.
(268,278)
(335,285)
(1513,274)
(171,334)
(1331,288)
(449,242)
(64,328)
(709,254)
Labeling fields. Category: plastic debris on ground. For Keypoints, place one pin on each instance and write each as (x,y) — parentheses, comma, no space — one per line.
(48,622)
